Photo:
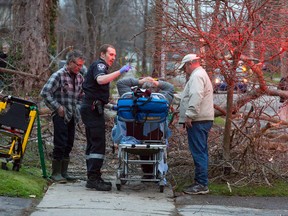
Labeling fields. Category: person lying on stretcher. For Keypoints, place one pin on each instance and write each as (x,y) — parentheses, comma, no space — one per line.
(144,85)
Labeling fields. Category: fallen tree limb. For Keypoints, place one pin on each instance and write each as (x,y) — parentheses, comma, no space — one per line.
(10,71)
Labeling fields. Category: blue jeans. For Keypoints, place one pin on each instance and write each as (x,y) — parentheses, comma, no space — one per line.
(197,139)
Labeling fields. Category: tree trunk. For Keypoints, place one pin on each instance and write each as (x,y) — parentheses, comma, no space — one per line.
(158,38)
(228,123)
(31,40)
(94,19)
(81,12)
(144,56)
(284,55)
(229,115)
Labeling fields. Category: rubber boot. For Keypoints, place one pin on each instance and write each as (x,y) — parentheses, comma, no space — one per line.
(64,173)
(56,172)
(95,182)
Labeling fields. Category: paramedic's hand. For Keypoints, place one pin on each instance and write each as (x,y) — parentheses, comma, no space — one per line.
(125,69)
(188,122)
(61,111)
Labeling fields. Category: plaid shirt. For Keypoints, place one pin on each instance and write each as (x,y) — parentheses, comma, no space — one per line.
(62,90)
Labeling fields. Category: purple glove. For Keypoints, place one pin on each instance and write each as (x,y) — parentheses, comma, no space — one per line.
(125,68)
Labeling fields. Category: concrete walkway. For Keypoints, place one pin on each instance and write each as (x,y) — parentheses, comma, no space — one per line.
(133,199)
(211,205)
(144,199)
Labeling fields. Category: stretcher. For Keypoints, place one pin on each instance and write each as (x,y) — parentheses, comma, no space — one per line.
(17,118)
(143,143)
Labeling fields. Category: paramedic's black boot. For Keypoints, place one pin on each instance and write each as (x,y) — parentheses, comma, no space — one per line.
(99,174)
(56,172)
(104,182)
(64,168)
(95,182)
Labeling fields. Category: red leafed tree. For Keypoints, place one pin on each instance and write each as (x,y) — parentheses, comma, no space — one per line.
(226,32)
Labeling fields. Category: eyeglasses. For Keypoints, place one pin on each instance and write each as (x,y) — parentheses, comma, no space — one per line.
(78,65)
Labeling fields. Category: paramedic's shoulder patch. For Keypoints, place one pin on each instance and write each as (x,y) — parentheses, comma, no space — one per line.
(101,67)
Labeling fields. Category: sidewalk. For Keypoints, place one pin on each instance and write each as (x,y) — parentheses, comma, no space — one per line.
(14,206)
(133,199)
(139,199)
(144,199)
(211,205)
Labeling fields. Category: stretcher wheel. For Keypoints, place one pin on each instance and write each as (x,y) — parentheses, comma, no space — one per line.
(16,167)
(118,186)
(161,188)
(123,182)
(4,166)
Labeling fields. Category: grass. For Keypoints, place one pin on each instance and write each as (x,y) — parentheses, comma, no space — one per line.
(28,182)
(219,121)
(278,189)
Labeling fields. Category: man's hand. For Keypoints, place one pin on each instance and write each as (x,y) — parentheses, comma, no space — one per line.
(125,69)
(60,111)
(147,79)
(188,122)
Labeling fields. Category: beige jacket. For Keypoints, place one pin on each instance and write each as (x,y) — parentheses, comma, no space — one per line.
(197,98)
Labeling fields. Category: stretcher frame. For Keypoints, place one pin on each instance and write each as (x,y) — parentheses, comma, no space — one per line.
(153,144)
(17,130)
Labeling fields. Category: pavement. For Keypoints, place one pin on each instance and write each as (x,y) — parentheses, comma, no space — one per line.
(136,198)
(11,206)
(211,205)
(133,199)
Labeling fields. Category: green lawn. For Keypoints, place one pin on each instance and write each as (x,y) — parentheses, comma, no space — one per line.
(279,189)
(28,182)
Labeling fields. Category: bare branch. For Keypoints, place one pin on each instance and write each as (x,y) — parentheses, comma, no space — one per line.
(10,71)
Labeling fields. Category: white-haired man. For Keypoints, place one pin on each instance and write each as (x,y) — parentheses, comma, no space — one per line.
(197,115)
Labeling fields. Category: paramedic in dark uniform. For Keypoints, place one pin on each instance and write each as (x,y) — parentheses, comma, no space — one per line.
(96,89)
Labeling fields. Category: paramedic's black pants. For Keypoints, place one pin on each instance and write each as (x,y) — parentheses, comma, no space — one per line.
(96,141)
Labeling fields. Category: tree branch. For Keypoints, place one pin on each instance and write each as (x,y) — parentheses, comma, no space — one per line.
(10,71)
